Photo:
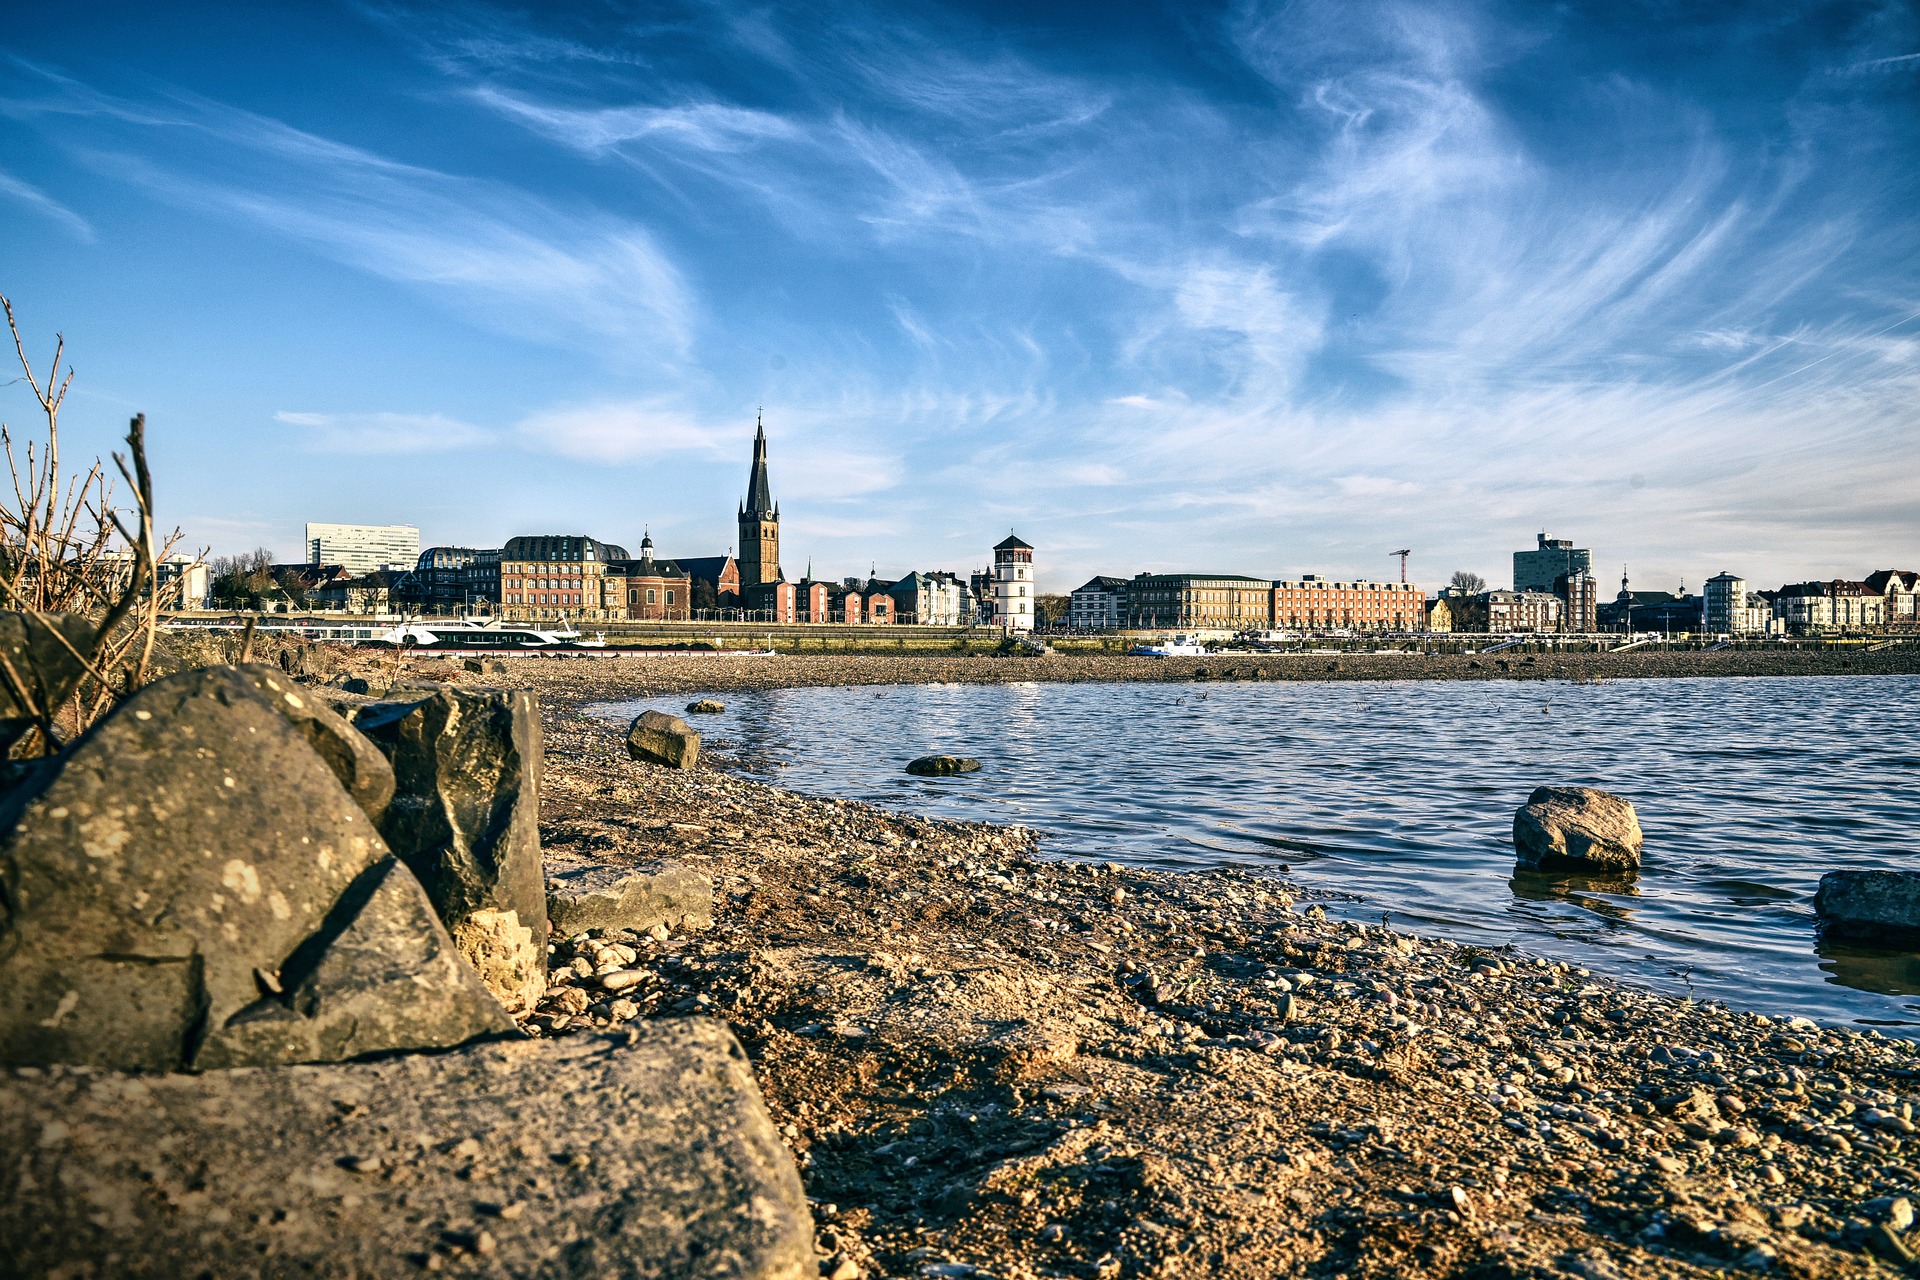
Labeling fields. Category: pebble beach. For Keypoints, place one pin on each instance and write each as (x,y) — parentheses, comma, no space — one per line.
(991,1064)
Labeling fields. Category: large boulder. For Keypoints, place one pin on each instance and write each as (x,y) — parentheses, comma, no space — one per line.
(1576,828)
(39,667)
(1870,906)
(647,1154)
(600,897)
(942,766)
(659,738)
(466,818)
(157,876)
(382,975)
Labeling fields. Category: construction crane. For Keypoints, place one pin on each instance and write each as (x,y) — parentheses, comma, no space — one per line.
(1403,553)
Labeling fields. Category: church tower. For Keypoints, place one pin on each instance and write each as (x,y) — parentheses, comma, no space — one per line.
(759,521)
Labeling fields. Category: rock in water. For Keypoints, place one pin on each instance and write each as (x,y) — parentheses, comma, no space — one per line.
(586,898)
(38,660)
(1870,906)
(1578,828)
(466,819)
(191,840)
(943,766)
(659,738)
(706,707)
(382,975)
(655,1153)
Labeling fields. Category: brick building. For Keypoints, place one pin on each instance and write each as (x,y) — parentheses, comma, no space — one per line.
(556,577)
(647,590)
(1311,602)
(1901,588)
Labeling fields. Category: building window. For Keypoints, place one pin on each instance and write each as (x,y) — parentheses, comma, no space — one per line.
(669,597)
(650,595)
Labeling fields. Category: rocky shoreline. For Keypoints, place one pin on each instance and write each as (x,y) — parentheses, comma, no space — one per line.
(989,1064)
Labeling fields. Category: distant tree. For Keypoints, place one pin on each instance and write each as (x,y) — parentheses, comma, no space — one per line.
(238,579)
(1050,611)
(1467,583)
(703,595)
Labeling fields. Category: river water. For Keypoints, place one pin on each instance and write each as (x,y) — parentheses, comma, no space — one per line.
(1398,798)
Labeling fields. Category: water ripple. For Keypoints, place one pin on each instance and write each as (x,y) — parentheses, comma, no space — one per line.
(1402,794)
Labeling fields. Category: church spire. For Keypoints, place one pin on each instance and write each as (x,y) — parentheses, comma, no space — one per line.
(759,489)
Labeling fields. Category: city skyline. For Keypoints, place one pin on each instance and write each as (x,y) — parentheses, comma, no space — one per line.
(1232,289)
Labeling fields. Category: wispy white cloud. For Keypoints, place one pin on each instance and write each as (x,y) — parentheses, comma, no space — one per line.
(507,259)
(626,432)
(40,202)
(383,433)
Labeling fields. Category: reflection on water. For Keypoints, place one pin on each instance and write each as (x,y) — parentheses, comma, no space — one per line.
(1399,796)
(1893,973)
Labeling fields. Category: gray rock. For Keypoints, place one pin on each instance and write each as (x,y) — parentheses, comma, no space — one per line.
(192,838)
(380,976)
(466,818)
(354,684)
(706,707)
(1870,906)
(943,766)
(37,671)
(1576,827)
(659,738)
(654,1155)
(597,897)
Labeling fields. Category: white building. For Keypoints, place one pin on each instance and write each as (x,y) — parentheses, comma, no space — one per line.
(363,548)
(1732,610)
(932,600)
(1099,605)
(1013,584)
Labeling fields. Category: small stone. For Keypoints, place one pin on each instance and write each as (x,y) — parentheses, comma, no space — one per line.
(483,1243)
(621,979)
(1670,1165)
(363,1164)
(623,1011)
(847,1270)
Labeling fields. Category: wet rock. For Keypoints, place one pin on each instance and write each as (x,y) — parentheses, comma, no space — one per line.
(382,975)
(1871,906)
(600,897)
(706,707)
(1576,827)
(659,738)
(191,840)
(41,667)
(660,1154)
(465,819)
(942,766)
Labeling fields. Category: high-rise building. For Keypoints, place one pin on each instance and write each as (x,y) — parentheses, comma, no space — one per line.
(759,558)
(1535,570)
(1013,584)
(363,548)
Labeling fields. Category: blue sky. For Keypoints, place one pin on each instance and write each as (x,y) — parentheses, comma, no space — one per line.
(1264,289)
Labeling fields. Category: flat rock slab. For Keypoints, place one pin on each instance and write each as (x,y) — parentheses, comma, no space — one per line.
(595,897)
(643,1154)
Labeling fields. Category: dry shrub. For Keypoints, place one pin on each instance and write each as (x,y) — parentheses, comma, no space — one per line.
(67,546)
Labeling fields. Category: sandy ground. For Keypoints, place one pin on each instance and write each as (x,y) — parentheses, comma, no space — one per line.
(992,1065)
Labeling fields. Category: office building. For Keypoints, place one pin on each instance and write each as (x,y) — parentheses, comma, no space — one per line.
(1536,570)
(364,548)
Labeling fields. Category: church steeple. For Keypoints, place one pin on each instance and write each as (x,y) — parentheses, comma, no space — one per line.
(759,503)
(759,519)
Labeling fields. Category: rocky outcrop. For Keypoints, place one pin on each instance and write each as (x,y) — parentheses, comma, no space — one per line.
(166,866)
(465,818)
(39,667)
(380,976)
(1576,828)
(659,738)
(942,766)
(651,1151)
(1870,906)
(599,897)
